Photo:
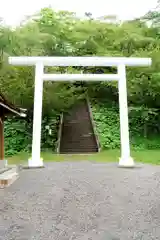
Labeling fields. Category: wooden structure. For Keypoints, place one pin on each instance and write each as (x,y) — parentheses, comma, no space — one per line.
(40,76)
(7,108)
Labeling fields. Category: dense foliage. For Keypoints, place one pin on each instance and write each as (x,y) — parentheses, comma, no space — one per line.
(62,34)
(143,132)
(18,134)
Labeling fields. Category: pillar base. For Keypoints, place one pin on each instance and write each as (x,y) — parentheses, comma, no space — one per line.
(3,163)
(35,163)
(126,162)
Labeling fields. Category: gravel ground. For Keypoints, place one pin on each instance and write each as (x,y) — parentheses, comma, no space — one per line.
(80,201)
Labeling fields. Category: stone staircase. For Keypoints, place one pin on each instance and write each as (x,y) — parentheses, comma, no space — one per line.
(77,134)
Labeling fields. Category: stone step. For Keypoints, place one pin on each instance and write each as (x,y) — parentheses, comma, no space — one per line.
(77,131)
(8,177)
(77,152)
(4,169)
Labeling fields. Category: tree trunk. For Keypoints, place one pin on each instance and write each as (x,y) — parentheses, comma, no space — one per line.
(1,139)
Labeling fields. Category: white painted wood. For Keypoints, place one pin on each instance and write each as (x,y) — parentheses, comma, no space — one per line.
(120,63)
(80,61)
(125,159)
(3,163)
(80,77)
(36,160)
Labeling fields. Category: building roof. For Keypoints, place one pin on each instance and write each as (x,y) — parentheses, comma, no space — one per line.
(6,107)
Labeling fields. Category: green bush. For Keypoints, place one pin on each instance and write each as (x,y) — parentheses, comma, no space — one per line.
(107,124)
(143,125)
(143,129)
(139,143)
(18,134)
(49,141)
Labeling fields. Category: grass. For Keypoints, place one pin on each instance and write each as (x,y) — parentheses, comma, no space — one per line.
(144,156)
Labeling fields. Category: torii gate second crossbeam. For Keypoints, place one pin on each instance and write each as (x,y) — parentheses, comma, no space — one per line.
(40,62)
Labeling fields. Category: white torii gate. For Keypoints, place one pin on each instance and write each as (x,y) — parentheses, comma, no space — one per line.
(40,76)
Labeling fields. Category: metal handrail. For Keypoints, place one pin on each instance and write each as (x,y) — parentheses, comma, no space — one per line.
(93,124)
(59,133)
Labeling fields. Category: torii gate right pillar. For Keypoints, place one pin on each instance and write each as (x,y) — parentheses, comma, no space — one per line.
(125,159)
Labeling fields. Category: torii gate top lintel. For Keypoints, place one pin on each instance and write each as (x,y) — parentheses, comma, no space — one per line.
(40,76)
(80,61)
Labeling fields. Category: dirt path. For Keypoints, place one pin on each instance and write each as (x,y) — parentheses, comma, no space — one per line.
(80,201)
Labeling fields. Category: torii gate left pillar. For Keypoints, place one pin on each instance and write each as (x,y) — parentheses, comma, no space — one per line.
(39,63)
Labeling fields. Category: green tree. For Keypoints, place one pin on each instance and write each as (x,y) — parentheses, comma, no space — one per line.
(62,33)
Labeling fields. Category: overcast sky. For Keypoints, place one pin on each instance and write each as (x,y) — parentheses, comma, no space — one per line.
(13,11)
